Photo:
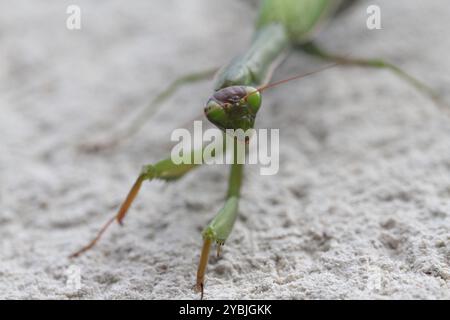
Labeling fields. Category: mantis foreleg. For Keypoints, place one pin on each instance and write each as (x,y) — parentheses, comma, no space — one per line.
(164,170)
(221,226)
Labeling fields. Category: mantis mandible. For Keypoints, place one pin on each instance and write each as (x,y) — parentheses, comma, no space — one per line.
(281,25)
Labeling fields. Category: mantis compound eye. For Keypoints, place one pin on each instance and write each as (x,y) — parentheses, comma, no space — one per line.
(253,99)
(215,112)
(233,107)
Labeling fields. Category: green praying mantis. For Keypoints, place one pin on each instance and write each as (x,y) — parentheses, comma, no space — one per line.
(281,25)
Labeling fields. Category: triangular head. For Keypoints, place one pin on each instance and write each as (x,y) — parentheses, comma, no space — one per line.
(234,107)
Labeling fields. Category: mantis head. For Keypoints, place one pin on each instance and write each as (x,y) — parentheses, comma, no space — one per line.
(234,107)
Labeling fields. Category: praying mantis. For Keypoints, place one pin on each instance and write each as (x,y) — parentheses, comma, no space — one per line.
(281,26)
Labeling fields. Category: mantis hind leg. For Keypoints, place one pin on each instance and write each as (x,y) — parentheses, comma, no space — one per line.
(139,119)
(312,49)
(164,170)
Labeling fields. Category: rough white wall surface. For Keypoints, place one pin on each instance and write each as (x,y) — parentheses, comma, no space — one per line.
(361,205)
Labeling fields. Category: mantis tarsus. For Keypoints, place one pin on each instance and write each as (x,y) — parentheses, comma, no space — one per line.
(282,25)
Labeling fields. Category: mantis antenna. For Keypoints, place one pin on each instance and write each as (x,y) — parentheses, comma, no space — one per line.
(299,76)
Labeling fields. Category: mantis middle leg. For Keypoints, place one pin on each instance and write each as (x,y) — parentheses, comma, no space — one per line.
(314,50)
(139,119)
